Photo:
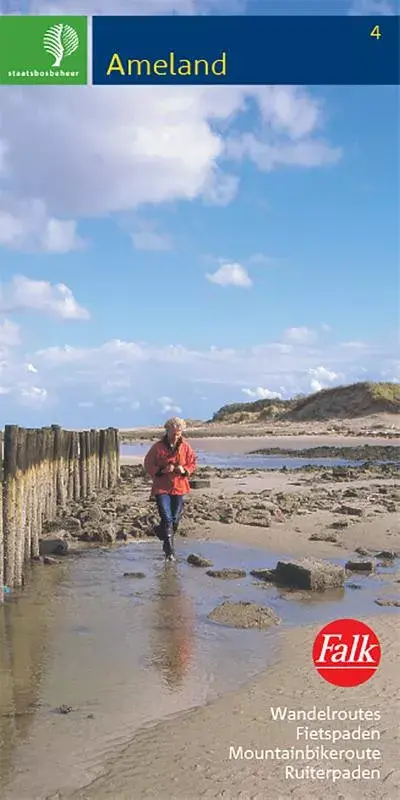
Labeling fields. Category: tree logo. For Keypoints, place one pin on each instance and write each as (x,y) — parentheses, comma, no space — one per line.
(60,41)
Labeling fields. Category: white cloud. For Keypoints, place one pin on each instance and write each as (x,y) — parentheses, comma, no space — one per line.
(261,394)
(25,225)
(354,345)
(315,386)
(136,7)
(120,7)
(145,237)
(33,396)
(231,275)
(290,116)
(167,406)
(85,404)
(324,374)
(321,378)
(68,373)
(23,293)
(160,144)
(267,156)
(300,336)
(9,333)
(370,8)
(261,259)
(221,188)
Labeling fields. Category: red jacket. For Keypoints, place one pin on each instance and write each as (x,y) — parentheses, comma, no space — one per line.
(161,454)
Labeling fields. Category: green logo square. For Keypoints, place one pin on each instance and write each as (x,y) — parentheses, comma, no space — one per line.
(43,50)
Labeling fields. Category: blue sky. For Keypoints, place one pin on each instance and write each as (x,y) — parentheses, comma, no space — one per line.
(173,249)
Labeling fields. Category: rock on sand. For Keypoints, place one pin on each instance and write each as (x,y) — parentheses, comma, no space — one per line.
(244,615)
(227,574)
(310,574)
(198,561)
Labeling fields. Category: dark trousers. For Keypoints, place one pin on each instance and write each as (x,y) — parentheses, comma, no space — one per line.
(170,507)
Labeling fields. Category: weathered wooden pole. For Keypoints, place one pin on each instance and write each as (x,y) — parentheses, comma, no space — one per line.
(117,457)
(10,469)
(48,483)
(48,480)
(58,469)
(43,471)
(109,445)
(93,458)
(88,464)
(96,459)
(65,466)
(70,465)
(102,459)
(83,463)
(29,479)
(39,450)
(75,465)
(20,507)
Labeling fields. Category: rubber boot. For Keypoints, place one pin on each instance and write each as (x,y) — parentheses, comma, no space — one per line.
(169,544)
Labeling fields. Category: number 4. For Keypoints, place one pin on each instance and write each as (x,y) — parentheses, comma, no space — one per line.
(376,32)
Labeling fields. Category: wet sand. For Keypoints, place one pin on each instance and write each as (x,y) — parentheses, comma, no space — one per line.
(187,755)
(187,758)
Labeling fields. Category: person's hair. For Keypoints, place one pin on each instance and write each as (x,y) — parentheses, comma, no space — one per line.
(175,422)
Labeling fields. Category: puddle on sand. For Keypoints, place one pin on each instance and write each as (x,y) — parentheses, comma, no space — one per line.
(123,652)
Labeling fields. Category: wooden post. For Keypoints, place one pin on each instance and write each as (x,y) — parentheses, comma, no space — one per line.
(117,457)
(102,459)
(70,465)
(96,462)
(75,465)
(10,469)
(110,457)
(20,507)
(99,459)
(93,459)
(65,466)
(29,480)
(83,463)
(39,446)
(47,479)
(58,477)
(88,464)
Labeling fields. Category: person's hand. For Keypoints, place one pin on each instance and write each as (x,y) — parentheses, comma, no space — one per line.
(169,468)
(180,469)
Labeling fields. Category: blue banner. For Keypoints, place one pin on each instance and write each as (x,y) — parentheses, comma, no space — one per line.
(249,50)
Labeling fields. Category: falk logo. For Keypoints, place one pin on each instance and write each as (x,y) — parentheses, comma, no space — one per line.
(346,652)
(60,41)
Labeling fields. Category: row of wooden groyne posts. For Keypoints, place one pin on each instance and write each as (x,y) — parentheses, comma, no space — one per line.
(43,469)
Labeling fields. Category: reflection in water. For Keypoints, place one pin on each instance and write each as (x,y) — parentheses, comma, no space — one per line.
(25,630)
(173,632)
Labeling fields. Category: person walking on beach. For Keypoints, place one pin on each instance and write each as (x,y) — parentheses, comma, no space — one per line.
(170,462)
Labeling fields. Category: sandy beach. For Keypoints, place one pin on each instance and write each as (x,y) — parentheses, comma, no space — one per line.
(188,757)
(194,753)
